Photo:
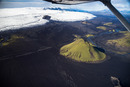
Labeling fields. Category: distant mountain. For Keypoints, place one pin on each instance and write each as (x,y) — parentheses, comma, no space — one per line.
(66,9)
(82,51)
(109,13)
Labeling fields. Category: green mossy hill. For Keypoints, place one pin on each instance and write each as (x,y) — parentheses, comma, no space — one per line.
(82,51)
(108,24)
(12,39)
(101,27)
(89,35)
(121,42)
(121,45)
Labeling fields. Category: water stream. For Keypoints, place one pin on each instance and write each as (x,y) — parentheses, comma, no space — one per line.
(100,34)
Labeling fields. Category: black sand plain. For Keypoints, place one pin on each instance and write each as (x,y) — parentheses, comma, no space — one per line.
(35,60)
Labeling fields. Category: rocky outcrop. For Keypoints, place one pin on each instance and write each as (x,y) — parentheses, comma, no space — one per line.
(115,81)
(47,17)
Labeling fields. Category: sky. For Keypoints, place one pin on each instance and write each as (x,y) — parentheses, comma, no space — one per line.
(94,6)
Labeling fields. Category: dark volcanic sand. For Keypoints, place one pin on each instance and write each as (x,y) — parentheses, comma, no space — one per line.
(47,68)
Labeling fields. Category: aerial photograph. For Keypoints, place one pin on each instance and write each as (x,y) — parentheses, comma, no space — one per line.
(64,43)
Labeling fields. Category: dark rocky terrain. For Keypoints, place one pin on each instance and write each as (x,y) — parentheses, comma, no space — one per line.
(34,60)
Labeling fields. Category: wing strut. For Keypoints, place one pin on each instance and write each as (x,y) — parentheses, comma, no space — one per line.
(106,2)
(117,14)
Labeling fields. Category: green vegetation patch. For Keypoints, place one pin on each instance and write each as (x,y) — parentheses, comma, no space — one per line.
(11,40)
(121,42)
(89,35)
(113,30)
(84,22)
(76,36)
(108,24)
(82,51)
(1,39)
(101,27)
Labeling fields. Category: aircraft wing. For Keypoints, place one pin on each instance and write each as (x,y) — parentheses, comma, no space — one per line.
(70,2)
(105,2)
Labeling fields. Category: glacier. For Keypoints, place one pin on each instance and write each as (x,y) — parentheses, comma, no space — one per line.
(15,18)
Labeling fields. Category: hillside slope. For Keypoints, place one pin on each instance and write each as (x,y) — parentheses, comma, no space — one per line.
(82,51)
(121,44)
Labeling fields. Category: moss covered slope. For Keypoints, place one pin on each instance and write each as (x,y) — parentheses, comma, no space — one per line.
(124,41)
(12,39)
(80,50)
(121,45)
(101,27)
